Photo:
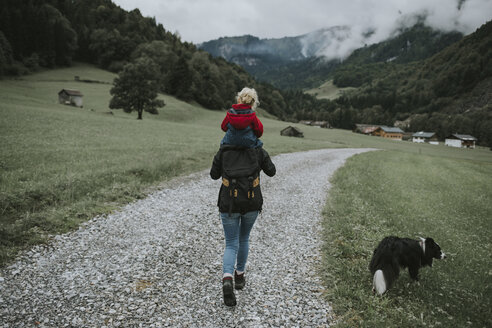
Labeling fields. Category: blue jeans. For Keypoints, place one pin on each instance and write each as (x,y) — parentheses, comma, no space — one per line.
(245,137)
(236,231)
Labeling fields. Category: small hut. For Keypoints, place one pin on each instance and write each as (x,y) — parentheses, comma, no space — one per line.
(321,124)
(292,131)
(70,97)
(460,141)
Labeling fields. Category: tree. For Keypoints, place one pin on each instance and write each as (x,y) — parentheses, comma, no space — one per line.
(135,88)
(180,80)
(5,54)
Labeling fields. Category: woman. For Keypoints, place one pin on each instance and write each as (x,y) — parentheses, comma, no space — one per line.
(239,203)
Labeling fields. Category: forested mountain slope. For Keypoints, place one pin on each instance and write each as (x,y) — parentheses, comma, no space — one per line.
(297,62)
(449,92)
(53,33)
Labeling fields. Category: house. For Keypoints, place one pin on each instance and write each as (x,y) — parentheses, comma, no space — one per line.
(70,97)
(388,132)
(322,124)
(407,136)
(429,137)
(460,141)
(292,131)
(367,129)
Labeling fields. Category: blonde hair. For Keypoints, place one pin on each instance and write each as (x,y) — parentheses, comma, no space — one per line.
(248,96)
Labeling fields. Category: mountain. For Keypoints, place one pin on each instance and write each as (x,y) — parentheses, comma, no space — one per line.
(449,92)
(289,62)
(308,60)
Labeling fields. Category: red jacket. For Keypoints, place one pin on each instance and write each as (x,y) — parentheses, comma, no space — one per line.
(243,120)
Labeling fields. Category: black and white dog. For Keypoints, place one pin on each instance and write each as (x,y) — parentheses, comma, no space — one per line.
(394,253)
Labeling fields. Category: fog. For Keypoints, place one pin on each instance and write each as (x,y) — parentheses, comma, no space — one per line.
(198,21)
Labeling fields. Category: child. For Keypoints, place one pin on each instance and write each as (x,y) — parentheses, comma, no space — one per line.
(241,125)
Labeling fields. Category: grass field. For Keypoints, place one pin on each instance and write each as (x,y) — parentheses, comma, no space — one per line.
(60,166)
(395,193)
(328,91)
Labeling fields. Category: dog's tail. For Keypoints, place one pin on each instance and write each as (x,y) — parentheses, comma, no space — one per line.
(379,283)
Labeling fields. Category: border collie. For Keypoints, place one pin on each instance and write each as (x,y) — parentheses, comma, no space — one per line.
(394,253)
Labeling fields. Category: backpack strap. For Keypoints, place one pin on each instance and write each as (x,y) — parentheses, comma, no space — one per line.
(232,194)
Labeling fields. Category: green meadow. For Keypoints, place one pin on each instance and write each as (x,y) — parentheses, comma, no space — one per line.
(328,91)
(61,165)
(387,193)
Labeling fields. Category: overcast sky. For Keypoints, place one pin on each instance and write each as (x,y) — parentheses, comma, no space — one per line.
(203,20)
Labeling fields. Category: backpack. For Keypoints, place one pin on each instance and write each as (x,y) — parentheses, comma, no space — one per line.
(240,190)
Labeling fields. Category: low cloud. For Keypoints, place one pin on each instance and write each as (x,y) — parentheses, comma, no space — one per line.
(383,21)
(198,21)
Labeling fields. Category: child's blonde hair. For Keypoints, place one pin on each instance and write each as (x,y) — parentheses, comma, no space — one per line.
(248,96)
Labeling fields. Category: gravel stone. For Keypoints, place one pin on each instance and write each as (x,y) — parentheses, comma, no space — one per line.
(157,262)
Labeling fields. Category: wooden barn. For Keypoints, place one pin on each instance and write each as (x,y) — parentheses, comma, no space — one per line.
(70,97)
(292,131)
(366,129)
(460,141)
(388,132)
(427,137)
(321,124)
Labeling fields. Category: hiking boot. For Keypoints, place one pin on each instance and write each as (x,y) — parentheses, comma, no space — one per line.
(239,280)
(229,297)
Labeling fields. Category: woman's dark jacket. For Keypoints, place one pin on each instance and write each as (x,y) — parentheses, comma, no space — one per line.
(240,169)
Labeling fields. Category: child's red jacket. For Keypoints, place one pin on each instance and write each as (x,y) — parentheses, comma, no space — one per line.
(240,117)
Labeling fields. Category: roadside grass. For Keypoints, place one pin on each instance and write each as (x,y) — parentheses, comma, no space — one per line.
(383,193)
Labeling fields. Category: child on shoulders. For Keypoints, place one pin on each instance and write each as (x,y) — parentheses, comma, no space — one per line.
(241,125)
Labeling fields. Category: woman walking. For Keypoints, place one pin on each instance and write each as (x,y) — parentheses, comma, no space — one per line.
(239,203)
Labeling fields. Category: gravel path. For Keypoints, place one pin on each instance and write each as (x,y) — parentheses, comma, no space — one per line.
(157,262)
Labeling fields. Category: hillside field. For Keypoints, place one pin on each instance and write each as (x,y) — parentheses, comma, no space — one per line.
(61,165)
(328,91)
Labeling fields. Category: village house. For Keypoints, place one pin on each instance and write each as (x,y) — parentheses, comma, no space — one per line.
(70,97)
(428,137)
(366,129)
(292,131)
(407,136)
(389,132)
(460,141)
(322,124)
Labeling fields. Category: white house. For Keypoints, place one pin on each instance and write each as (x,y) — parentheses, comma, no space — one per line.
(460,141)
(429,137)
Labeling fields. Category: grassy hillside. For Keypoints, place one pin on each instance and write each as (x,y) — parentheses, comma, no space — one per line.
(396,193)
(62,165)
(328,91)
